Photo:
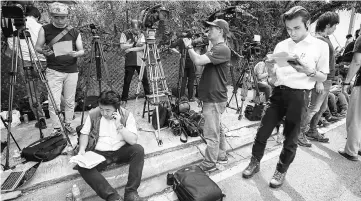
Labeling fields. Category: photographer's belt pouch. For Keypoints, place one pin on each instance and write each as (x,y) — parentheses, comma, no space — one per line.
(193,184)
(45,149)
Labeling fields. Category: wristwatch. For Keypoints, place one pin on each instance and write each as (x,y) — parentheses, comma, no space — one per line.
(312,74)
(189,47)
(344,83)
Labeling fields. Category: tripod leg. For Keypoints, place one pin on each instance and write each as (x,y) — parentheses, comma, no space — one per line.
(6,126)
(108,80)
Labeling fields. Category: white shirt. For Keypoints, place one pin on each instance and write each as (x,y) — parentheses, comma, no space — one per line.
(109,139)
(312,51)
(33,27)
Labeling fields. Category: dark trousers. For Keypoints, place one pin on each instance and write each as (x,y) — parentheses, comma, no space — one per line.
(267,89)
(283,102)
(129,72)
(190,76)
(134,154)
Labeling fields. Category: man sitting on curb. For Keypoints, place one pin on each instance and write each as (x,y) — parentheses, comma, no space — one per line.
(111,131)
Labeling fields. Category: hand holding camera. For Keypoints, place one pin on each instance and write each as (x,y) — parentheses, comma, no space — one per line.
(47,51)
(187,42)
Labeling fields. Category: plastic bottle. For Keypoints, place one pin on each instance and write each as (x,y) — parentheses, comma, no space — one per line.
(76,193)
(26,119)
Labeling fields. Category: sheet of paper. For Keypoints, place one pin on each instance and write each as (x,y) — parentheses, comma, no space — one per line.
(88,160)
(63,48)
(281,58)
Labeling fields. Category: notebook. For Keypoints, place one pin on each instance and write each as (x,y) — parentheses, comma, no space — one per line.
(88,160)
(10,180)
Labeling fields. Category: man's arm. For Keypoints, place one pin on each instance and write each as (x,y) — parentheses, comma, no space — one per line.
(83,143)
(79,47)
(40,41)
(197,59)
(129,132)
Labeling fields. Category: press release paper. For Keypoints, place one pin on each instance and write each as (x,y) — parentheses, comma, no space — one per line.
(88,160)
(281,58)
(63,48)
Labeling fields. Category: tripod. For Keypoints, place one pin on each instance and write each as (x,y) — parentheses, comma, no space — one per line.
(245,79)
(22,33)
(96,54)
(151,60)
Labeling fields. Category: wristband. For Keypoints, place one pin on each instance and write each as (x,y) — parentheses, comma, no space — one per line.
(344,83)
(189,47)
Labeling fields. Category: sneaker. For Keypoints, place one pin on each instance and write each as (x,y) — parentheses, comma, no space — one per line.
(314,135)
(251,169)
(133,196)
(303,141)
(70,129)
(324,122)
(42,124)
(223,160)
(277,179)
(349,157)
(206,168)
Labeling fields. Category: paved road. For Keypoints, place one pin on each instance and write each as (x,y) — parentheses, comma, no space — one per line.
(317,173)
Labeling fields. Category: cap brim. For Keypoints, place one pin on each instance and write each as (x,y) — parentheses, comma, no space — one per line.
(211,24)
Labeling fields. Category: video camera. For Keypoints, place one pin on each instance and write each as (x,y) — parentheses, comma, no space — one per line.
(198,39)
(13,14)
(149,16)
(252,48)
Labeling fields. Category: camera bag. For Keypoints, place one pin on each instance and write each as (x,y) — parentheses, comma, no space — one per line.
(164,115)
(45,149)
(254,113)
(193,184)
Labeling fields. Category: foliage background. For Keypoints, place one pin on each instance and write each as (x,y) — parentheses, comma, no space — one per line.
(112,17)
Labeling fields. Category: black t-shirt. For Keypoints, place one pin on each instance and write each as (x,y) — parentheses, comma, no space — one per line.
(213,84)
(348,53)
(63,63)
(331,75)
(357,48)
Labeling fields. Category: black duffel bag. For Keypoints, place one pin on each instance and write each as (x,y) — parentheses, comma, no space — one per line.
(193,184)
(45,149)
(254,113)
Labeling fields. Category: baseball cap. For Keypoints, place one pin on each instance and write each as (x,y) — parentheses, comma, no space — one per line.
(221,24)
(58,9)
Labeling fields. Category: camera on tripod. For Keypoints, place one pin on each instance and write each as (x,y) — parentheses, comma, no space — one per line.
(199,39)
(252,48)
(13,14)
(150,16)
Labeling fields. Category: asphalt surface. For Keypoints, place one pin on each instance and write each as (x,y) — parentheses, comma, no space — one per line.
(317,173)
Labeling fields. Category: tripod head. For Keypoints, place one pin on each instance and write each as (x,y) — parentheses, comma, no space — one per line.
(151,36)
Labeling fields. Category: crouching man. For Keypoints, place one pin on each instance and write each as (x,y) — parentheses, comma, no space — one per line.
(111,131)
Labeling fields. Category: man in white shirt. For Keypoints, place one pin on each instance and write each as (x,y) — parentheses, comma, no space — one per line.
(111,131)
(291,85)
(33,26)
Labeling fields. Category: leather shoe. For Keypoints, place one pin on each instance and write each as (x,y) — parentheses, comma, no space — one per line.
(251,169)
(344,154)
(303,141)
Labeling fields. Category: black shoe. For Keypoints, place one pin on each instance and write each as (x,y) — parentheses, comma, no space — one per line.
(133,196)
(251,169)
(332,119)
(344,154)
(42,124)
(277,179)
(303,141)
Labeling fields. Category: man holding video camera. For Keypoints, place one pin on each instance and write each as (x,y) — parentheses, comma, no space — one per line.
(213,90)
(308,62)
(62,45)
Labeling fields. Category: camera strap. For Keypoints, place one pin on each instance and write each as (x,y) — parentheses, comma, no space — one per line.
(60,35)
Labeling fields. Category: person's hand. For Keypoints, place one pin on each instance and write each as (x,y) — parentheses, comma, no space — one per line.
(300,66)
(319,87)
(47,51)
(187,42)
(345,89)
(128,50)
(116,116)
(73,53)
(81,152)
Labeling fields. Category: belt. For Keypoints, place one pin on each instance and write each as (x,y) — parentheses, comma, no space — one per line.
(283,87)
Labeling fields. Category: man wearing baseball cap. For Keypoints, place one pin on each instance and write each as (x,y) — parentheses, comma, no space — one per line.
(213,91)
(62,69)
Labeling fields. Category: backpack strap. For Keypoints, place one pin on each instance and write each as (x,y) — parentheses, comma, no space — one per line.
(60,35)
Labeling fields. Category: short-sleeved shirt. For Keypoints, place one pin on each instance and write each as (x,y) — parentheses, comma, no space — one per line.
(331,75)
(259,69)
(133,58)
(63,63)
(311,51)
(109,139)
(213,83)
(357,49)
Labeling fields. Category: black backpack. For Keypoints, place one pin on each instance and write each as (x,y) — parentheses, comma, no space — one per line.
(45,149)
(193,184)
(254,113)
(164,116)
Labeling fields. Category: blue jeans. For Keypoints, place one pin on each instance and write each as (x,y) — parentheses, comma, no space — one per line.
(316,107)
(213,133)
(132,154)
